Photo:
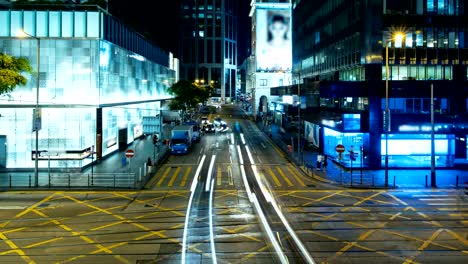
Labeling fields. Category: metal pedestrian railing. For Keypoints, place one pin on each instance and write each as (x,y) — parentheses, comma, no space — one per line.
(69,180)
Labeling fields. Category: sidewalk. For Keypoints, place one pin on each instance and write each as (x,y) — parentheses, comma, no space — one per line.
(340,174)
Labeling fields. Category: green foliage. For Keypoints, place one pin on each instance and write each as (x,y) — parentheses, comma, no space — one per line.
(11,69)
(188,95)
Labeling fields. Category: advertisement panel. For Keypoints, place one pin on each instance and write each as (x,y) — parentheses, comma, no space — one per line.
(273,39)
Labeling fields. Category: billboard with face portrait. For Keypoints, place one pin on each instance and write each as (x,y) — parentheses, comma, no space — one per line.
(273,39)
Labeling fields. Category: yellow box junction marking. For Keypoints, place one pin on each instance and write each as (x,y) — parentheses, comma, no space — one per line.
(286,179)
(273,176)
(176,173)
(166,172)
(186,174)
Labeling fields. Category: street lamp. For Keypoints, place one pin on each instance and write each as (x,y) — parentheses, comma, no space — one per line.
(36,121)
(397,36)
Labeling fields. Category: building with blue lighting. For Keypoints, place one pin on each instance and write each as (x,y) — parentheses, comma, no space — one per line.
(339,63)
(100,86)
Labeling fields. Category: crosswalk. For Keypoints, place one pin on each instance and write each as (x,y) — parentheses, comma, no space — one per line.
(279,176)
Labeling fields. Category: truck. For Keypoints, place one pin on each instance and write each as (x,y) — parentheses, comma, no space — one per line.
(181,139)
(196,135)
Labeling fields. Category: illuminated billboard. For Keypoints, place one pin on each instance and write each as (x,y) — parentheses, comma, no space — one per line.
(273,39)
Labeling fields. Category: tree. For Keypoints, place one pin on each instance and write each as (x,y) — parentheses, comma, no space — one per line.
(188,95)
(11,69)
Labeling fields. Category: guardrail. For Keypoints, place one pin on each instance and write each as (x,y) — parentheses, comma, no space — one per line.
(69,180)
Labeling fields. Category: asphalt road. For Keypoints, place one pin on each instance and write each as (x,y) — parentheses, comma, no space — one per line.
(336,225)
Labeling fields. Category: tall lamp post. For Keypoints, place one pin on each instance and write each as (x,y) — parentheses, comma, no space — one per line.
(387,126)
(36,121)
(433,172)
(299,156)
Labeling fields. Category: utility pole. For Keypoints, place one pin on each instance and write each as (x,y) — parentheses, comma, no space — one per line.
(433,172)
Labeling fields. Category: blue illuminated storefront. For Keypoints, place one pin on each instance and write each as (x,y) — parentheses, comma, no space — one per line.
(98,80)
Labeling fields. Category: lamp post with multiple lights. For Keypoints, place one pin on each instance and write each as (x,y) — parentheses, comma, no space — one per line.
(397,36)
(36,121)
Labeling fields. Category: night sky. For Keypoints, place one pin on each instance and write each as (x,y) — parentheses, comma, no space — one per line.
(157,20)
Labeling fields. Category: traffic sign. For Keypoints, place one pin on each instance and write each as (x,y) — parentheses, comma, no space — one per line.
(129,153)
(340,148)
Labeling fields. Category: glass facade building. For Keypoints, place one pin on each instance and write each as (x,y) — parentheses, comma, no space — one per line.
(340,51)
(208,44)
(97,81)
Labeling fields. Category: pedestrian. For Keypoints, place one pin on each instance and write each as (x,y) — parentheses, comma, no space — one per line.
(319,161)
(325,162)
(149,163)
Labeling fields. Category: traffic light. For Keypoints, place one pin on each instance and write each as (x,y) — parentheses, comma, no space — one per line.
(155,139)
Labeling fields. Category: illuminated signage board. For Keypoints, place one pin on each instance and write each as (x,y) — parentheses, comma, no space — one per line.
(273,38)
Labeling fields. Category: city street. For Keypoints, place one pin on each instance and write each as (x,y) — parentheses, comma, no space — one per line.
(335,224)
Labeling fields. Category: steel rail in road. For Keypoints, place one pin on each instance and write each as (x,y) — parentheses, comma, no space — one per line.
(269,212)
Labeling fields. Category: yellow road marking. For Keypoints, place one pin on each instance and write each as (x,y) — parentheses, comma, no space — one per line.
(16,229)
(254,253)
(323,198)
(299,173)
(218,175)
(363,200)
(74,233)
(166,172)
(176,173)
(108,225)
(273,176)
(129,221)
(424,246)
(296,177)
(229,169)
(44,242)
(234,231)
(458,236)
(397,199)
(29,209)
(374,200)
(100,250)
(151,182)
(362,237)
(15,248)
(186,174)
(278,168)
(458,215)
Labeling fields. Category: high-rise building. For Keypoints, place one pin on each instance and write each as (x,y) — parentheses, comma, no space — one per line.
(341,50)
(208,44)
(270,63)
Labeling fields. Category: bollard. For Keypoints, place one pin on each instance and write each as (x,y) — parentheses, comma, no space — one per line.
(394,181)
(9,175)
(373,180)
(69,181)
(30,181)
(426,180)
(456,183)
